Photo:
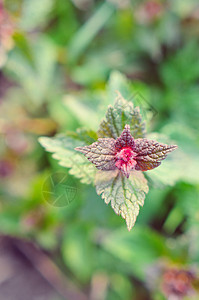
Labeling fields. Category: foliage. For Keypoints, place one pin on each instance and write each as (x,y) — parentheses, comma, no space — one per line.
(61,63)
(118,158)
(124,194)
(64,150)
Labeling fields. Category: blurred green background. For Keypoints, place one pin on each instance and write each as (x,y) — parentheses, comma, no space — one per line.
(61,61)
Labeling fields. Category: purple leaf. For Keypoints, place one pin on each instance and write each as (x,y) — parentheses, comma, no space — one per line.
(150,153)
(125,139)
(101,153)
(125,153)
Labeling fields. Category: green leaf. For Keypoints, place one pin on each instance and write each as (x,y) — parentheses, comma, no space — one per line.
(34,74)
(136,250)
(120,287)
(118,81)
(35,13)
(77,251)
(62,148)
(175,72)
(82,134)
(178,161)
(177,167)
(89,30)
(124,194)
(86,113)
(117,116)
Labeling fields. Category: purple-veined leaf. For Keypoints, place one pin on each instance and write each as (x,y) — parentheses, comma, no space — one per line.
(125,139)
(150,153)
(121,153)
(125,153)
(101,153)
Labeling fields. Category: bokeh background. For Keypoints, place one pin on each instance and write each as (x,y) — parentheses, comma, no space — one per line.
(60,61)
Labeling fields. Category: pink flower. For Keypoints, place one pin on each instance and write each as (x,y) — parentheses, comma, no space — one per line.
(178,283)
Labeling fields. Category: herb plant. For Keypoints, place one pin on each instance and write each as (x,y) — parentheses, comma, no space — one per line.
(120,155)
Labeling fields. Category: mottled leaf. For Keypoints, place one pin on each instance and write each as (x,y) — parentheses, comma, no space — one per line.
(186,158)
(124,194)
(125,153)
(180,166)
(117,116)
(125,139)
(150,153)
(62,148)
(101,153)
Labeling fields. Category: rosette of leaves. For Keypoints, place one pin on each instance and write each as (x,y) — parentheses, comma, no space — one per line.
(114,159)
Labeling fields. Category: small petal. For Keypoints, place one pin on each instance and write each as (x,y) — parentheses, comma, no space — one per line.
(126,167)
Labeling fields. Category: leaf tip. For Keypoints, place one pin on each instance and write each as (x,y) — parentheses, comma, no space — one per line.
(175,147)
(78,149)
(42,140)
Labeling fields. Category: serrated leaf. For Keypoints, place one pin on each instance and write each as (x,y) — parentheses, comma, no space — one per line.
(125,139)
(117,116)
(125,153)
(177,162)
(62,148)
(124,194)
(180,166)
(150,153)
(101,153)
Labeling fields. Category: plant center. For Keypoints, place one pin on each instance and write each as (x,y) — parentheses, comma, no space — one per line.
(125,160)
